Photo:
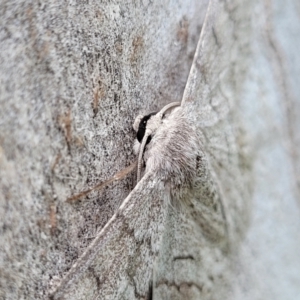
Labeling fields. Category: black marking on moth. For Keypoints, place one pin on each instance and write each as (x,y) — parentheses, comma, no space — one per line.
(142,128)
(150,293)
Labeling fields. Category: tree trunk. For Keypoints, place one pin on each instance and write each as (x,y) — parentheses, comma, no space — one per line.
(74,77)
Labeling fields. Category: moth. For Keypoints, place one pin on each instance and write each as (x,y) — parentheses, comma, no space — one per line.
(175,175)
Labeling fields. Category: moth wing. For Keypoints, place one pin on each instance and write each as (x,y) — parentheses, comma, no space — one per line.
(191,265)
(211,98)
(206,205)
(118,263)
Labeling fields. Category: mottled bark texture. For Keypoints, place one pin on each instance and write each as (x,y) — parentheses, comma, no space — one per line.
(73,76)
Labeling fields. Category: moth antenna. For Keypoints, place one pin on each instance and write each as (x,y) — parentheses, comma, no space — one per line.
(142,147)
(168,106)
(118,176)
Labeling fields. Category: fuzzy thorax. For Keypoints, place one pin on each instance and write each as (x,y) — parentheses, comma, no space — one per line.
(174,151)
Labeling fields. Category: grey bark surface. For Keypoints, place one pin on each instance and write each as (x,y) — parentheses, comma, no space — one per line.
(74,76)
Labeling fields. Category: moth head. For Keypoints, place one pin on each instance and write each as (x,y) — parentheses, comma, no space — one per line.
(145,127)
(140,126)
